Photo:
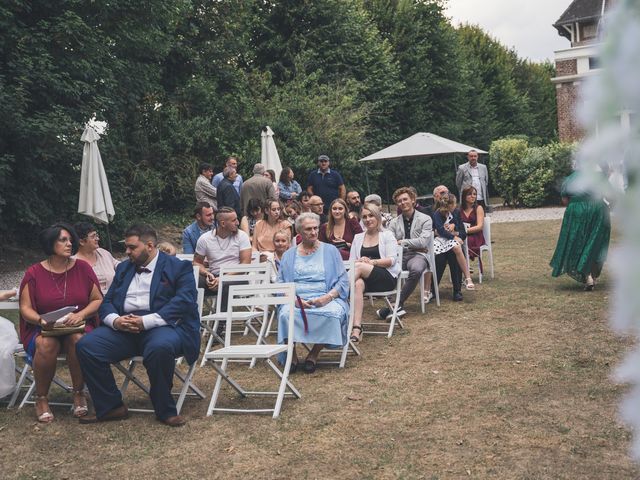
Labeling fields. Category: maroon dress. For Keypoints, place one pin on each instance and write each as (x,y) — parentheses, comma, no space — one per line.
(474,240)
(47,293)
(351,228)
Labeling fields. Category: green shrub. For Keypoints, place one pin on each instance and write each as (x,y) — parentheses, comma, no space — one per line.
(505,161)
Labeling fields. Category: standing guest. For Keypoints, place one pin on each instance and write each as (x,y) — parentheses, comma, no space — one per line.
(203,215)
(322,287)
(289,189)
(340,230)
(258,187)
(254,214)
(271,175)
(354,204)
(150,310)
(375,252)
(326,183)
(227,194)
(451,233)
(232,162)
(583,242)
(227,245)
(282,243)
(476,174)
(56,282)
(272,222)
(413,231)
(304,201)
(205,192)
(316,205)
(472,215)
(101,260)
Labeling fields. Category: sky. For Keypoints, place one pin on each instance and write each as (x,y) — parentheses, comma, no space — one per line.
(519,24)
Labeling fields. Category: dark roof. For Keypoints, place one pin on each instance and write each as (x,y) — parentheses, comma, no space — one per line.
(581,10)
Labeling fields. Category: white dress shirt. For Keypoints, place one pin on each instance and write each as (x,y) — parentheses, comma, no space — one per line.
(475,180)
(138,299)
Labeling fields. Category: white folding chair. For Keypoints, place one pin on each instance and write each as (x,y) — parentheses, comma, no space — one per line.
(392,299)
(185,256)
(252,274)
(262,296)
(434,278)
(486,232)
(186,378)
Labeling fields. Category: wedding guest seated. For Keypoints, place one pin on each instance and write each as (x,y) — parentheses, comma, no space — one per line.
(375,252)
(340,230)
(291,212)
(377,201)
(288,188)
(101,260)
(272,222)
(413,231)
(168,248)
(56,282)
(252,216)
(322,285)
(271,175)
(304,198)
(150,310)
(203,215)
(282,243)
(354,204)
(227,245)
(472,214)
(451,233)
(316,205)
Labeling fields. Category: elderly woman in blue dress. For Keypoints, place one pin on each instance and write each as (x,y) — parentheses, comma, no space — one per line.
(322,287)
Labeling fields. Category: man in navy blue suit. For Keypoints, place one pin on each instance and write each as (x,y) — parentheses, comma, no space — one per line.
(149,310)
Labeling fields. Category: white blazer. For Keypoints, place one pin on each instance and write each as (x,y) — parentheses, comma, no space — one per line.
(388,246)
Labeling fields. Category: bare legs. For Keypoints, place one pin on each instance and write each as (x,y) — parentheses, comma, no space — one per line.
(462,262)
(44,369)
(363,270)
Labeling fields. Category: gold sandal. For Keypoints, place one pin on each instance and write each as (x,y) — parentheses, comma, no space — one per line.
(82,409)
(46,416)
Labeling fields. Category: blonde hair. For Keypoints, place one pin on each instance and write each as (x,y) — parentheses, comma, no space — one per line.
(376,212)
(443,206)
(168,248)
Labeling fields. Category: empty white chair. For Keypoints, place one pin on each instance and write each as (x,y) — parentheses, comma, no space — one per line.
(262,296)
(486,232)
(252,274)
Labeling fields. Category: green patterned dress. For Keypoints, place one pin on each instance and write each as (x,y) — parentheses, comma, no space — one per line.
(584,237)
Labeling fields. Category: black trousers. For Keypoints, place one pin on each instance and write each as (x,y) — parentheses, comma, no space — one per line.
(456,274)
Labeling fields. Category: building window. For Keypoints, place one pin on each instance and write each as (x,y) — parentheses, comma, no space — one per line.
(594,62)
(589,31)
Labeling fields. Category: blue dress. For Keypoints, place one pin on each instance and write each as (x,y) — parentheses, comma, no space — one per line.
(327,324)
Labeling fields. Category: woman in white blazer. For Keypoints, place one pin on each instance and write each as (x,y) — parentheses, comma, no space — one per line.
(375,252)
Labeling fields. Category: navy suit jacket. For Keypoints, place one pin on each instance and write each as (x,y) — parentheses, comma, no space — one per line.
(173,297)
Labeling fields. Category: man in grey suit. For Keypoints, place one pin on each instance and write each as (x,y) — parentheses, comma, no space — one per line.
(476,174)
(413,230)
(258,186)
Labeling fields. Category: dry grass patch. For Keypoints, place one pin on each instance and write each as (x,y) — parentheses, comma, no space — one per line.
(511,383)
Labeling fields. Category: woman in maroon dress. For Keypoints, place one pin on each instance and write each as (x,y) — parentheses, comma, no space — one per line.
(56,282)
(340,229)
(473,215)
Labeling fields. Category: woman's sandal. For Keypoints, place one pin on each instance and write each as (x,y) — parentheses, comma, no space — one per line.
(468,283)
(47,416)
(590,285)
(81,409)
(356,338)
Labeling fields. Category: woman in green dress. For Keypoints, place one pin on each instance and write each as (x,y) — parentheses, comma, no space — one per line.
(584,237)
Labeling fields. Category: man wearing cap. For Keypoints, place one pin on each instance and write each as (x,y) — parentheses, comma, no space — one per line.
(326,183)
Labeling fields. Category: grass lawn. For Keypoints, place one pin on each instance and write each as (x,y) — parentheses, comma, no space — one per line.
(513,383)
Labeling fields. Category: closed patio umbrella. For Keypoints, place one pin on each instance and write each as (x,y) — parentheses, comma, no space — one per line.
(269,157)
(95,198)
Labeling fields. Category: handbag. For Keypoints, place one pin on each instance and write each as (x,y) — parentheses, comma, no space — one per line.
(63,330)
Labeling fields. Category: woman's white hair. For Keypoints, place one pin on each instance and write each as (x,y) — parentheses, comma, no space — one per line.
(304,216)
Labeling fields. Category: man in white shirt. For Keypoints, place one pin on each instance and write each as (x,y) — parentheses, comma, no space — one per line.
(476,174)
(227,245)
(149,310)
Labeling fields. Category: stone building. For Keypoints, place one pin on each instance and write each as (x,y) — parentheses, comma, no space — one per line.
(580,24)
